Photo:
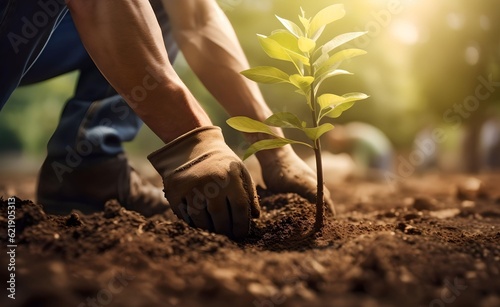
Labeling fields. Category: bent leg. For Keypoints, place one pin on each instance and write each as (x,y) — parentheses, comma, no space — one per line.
(24,31)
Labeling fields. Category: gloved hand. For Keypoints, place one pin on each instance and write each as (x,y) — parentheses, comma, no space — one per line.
(206,184)
(284,172)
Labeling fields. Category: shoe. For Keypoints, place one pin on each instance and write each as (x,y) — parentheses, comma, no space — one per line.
(88,188)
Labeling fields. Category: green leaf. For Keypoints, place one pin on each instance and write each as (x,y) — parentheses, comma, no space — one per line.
(323,112)
(339,104)
(302,12)
(273,48)
(248,125)
(327,75)
(337,111)
(335,60)
(291,26)
(340,40)
(355,96)
(267,144)
(316,36)
(315,133)
(286,40)
(266,74)
(284,120)
(276,51)
(302,82)
(321,60)
(305,22)
(326,100)
(306,44)
(329,100)
(325,17)
(298,60)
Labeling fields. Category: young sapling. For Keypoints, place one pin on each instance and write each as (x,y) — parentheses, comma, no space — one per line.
(313,63)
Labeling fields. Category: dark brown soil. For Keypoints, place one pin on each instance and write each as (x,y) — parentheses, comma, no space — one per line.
(421,244)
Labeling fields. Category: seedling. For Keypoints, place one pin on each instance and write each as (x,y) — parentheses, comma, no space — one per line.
(314,64)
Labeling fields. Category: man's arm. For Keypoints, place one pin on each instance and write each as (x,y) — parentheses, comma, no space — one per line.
(212,50)
(124,40)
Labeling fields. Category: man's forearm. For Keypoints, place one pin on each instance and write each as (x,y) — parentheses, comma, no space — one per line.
(124,40)
(212,50)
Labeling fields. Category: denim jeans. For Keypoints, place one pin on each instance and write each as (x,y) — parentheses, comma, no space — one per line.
(24,31)
(96,121)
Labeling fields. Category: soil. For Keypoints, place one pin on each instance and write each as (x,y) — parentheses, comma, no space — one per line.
(428,241)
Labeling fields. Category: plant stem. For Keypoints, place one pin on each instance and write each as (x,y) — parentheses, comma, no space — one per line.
(318,224)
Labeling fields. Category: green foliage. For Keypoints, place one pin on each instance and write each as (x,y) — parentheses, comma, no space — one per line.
(266,75)
(333,105)
(314,64)
(248,125)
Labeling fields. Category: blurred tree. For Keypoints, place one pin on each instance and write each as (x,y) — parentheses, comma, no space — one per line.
(460,52)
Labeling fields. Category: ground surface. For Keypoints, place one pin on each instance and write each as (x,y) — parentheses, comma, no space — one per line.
(414,244)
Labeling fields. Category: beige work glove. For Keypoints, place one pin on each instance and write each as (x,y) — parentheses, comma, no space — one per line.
(284,172)
(206,184)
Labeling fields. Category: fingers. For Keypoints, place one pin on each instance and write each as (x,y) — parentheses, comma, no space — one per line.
(197,211)
(240,213)
(183,215)
(255,208)
(241,198)
(220,213)
(223,206)
(178,205)
(252,193)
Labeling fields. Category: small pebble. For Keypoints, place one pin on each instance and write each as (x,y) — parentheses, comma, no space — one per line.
(305,293)
(318,267)
(408,229)
(470,189)
(73,220)
(423,203)
(261,290)
(445,214)
(390,214)
(406,276)
(412,216)
(468,204)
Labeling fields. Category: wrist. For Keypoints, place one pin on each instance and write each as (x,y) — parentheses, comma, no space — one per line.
(190,115)
(194,145)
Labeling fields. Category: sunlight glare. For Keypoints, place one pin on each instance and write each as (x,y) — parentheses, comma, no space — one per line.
(472,55)
(405,31)
(455,21)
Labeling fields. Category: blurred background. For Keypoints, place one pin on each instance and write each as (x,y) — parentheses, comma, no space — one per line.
(426,60)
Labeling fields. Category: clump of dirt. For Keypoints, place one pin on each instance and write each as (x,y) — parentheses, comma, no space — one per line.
(415,244)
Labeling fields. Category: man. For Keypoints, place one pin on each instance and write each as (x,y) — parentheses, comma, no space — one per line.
(206,184)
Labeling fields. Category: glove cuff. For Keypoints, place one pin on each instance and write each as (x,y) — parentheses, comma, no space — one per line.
(185,147)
